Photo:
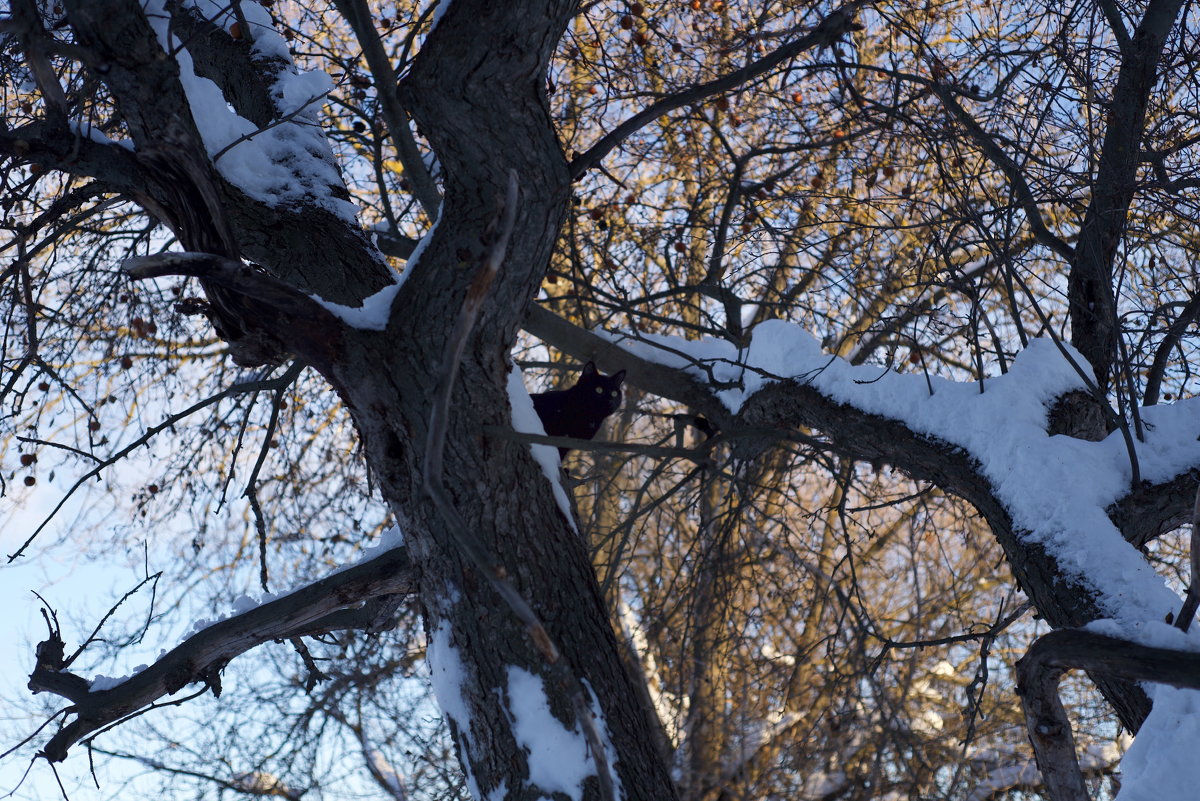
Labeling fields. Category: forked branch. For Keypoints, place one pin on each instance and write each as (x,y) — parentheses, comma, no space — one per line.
(1040,670)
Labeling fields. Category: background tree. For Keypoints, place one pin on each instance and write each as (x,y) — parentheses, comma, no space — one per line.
(768,583)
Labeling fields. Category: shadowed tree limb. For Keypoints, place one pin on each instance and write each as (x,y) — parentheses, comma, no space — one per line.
(355,598)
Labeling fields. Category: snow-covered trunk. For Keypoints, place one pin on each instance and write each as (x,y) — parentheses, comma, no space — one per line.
(480,652)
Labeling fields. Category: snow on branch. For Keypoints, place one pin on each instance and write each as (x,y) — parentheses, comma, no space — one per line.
(1047,498)
(986,441)
(281,162)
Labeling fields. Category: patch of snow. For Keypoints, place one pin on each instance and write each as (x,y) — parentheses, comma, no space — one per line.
(286,163)
(99,683)
(1161,763)
(439,11)
(89,131)
(376,310)
(1056,487)
(610,750)
(372,315)
(245,603)
(448,676)
(1151,633)
(558,757)
(525,420)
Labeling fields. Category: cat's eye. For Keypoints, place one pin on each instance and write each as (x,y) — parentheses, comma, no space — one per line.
(614,393)
(599,390)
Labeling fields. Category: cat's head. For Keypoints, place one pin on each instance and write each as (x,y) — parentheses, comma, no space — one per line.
(603,390)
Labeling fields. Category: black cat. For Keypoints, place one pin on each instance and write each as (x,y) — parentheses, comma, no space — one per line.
(579,411)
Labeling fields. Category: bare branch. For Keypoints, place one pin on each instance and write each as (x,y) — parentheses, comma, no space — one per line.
(350,599)
(425,190)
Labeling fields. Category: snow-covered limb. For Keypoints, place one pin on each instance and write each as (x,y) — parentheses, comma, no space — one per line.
(1046,498)
(343,267)
(359,597)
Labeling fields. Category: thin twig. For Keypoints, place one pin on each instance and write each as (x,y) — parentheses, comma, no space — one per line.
(839,22)
(171,420)
(112,610)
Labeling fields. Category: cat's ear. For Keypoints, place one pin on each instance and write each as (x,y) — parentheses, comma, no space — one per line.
(619,376)
(589,370)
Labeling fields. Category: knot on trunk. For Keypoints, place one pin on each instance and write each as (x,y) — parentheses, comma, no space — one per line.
(1078,414)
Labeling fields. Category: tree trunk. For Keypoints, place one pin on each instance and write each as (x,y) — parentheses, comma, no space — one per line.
(477,93)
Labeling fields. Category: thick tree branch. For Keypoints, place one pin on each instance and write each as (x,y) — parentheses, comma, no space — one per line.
(774,414)
(1092,303)
(309,247)
(1151,510)
(263,305)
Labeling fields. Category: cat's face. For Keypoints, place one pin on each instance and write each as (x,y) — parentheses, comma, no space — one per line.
(602,390)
